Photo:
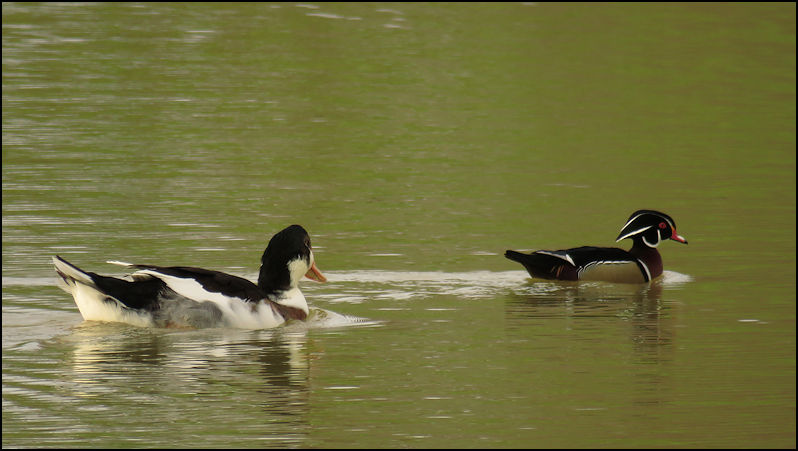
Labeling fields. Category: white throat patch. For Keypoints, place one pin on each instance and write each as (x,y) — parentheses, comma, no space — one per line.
(297,269)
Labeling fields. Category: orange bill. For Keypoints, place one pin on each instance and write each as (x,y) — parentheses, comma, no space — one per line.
(314,274)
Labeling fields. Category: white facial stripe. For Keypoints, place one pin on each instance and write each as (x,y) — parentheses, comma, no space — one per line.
(631,221)
(673,227)
(632,233)
(652,245)
(641,214)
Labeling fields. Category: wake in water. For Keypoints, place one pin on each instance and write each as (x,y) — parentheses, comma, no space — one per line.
(357,287)
(487,279)
(320,318)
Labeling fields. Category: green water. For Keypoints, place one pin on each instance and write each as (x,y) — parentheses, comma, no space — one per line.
(415,142)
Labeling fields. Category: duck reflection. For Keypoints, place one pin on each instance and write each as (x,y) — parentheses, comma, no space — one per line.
(254,378)
(637,306)
(597,317)
(280,356)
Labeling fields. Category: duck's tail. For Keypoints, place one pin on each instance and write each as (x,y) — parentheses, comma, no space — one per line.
(71,275)
(105,298)
(545,264)
(516,256)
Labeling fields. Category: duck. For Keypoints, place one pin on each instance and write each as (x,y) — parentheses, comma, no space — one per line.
(640,264)
(189,297)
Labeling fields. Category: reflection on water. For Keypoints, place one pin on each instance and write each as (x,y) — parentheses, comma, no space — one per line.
(255,383)
(640,306)
(230,386)
(416,142)
(618,341)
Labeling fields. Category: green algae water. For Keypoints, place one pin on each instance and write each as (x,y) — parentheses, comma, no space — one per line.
(416,143)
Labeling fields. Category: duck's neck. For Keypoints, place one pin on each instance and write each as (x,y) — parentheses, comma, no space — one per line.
(648,255)
(277,287)
(273,280)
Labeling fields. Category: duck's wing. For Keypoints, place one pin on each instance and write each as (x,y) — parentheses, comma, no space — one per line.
(197,283)
(583,263)
(546,264)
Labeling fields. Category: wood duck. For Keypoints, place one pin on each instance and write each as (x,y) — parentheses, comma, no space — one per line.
(642,263)
(180,296)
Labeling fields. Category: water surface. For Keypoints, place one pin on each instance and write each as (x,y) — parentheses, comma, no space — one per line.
(415,142)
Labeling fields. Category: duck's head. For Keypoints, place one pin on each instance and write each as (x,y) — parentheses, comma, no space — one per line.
(651,227)
(287,258)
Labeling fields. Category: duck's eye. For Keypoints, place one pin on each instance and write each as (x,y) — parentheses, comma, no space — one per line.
(662,225)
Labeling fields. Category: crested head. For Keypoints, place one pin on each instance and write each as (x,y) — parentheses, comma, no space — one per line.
(650,227)
(287,258)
